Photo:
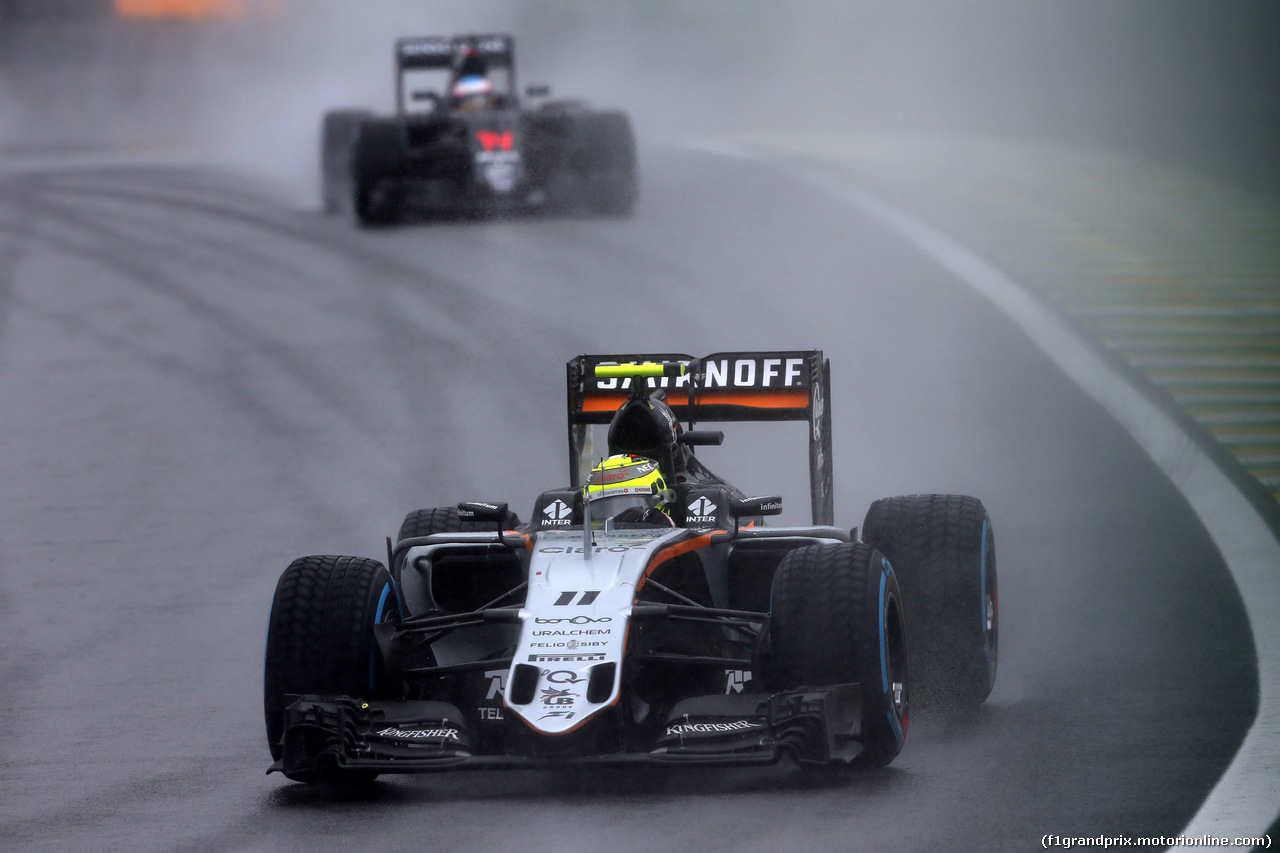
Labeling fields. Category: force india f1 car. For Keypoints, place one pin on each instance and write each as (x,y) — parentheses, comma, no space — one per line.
(690,632)
(461,141)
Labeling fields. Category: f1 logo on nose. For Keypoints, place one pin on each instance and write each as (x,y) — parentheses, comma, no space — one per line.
(493,140)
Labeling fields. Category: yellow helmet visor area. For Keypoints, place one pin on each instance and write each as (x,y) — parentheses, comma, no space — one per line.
(623,482)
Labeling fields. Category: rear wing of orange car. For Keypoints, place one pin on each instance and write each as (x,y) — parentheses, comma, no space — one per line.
(792,385)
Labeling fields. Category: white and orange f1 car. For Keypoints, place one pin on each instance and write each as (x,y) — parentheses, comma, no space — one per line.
(695,635)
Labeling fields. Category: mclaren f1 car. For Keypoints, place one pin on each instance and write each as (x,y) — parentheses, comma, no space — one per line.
(646,612)
(464,141)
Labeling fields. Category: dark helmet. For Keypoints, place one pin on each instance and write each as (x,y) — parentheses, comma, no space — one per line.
(646,426)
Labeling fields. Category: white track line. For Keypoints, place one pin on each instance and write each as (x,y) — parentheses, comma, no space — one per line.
(1246,800)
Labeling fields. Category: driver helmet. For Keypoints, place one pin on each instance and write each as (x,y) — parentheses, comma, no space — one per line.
(472,92)
(628,488)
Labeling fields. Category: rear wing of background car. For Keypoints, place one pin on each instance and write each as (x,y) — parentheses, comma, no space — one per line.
(427,52)
(721,387)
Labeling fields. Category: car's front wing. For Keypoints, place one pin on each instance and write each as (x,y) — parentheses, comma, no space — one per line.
(324,734)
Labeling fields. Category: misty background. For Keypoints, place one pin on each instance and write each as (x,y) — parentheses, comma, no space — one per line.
(1185,81)
(178,421)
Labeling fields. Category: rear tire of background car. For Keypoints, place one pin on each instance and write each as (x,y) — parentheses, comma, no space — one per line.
(604,152)
(444,519)
(375,164)
(320,637)
(337,133)
(837,618)
(943,551)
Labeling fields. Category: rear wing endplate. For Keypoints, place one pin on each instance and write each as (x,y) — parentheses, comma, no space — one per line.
(791,385)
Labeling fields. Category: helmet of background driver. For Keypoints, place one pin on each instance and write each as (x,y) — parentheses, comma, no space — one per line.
(472,92)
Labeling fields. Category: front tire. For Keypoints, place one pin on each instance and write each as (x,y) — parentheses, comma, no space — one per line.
(320,637)
(837,618)
(943,550)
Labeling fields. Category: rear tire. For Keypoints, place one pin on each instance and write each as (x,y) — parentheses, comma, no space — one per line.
(375,169)
(607,154)
(320,637)
(943,551)
(444,519)
(836,619)
(337,134)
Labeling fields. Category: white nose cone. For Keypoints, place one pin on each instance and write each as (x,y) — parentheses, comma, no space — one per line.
(574,624)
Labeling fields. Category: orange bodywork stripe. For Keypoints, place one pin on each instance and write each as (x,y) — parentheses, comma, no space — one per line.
(513,534)
(673,551)
(750,399)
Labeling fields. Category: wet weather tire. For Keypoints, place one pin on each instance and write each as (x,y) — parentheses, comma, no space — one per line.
(337,133)
(943,551)
(444,519)
(320,637)
(837,619)
(375,169)
(602,160)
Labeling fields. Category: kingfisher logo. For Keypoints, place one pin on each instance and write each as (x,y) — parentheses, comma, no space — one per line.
(419,734)
(493,140)
(683,729)
(557,514)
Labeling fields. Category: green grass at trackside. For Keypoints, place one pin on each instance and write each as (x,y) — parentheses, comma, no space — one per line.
(1174,272)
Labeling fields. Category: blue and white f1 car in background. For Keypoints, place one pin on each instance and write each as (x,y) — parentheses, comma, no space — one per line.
(683,630)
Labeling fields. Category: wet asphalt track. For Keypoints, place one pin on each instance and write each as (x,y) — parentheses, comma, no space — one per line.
(199,382)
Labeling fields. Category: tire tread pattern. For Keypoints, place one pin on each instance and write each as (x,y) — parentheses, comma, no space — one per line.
(825,630)
(320,639)
(935,544)
(444,519)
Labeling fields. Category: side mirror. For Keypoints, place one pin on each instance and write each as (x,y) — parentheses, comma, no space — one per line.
(481,511)
(702,438)
(758,505)
(427,101)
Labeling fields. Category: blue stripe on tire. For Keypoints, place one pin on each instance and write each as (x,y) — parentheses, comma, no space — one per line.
(373,652)
(884,655)
(884,658)
(897,728)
